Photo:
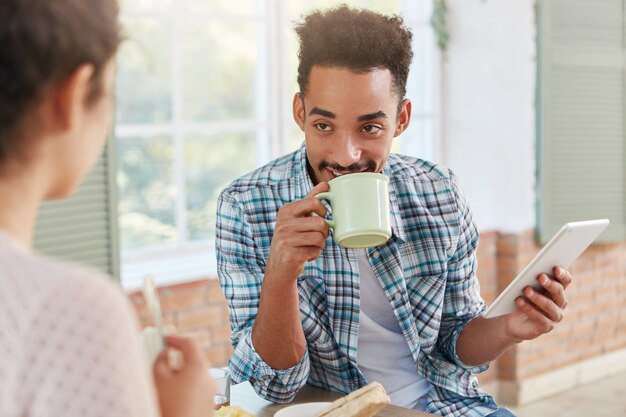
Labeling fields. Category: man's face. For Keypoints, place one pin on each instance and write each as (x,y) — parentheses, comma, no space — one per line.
(349,120)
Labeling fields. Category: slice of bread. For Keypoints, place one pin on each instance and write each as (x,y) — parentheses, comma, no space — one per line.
(364,402)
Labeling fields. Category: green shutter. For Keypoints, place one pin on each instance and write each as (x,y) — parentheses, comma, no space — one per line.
(83,227)
(581,95)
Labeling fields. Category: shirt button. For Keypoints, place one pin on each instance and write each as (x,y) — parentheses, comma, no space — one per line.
(376,254)
(398,296)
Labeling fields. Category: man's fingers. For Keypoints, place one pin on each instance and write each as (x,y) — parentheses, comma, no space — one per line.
(562,275)
(541,322)
(315,239)
(302,208)
(292,227)
(311,224)
(319,188)
(311,252)
(546,305)
(554,289)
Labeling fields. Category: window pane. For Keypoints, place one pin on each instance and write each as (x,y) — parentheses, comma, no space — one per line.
(147,192)
(421,78)
(231,7)
(297,8)
(295,136)
(218,63)
(211,163)
(384,6)
(143,78)
(190,71)
(144,5)
(416,140)
(419,10)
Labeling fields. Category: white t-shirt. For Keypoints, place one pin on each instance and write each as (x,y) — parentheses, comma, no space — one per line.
(383,353)
(69,342)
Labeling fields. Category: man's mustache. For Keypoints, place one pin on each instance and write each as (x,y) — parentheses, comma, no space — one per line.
(357,167)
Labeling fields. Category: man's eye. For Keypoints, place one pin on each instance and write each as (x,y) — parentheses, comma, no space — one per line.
(371,129)
(322,127)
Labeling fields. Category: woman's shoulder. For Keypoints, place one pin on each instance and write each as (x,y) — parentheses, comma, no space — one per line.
(40,285)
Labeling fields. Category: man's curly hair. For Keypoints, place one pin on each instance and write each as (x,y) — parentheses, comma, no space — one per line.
(355,39)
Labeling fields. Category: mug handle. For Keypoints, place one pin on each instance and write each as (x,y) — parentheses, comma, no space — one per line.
(329,197)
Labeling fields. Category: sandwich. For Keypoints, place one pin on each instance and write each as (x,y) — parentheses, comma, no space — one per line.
(364,402)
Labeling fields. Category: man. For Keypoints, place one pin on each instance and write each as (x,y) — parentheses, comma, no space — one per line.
(406,313)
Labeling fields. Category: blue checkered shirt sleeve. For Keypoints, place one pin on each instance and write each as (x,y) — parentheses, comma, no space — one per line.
(240,270)
(462,300)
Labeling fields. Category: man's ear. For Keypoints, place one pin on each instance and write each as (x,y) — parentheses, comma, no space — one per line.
(298,110)
(71,96)
(404,117)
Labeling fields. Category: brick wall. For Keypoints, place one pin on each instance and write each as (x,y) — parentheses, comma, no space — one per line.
(594,324)
(488,277)
(595,320)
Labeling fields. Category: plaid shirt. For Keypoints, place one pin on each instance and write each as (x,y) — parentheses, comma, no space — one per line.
(427,267)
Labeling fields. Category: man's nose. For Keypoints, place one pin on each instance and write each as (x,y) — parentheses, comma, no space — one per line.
(348,151)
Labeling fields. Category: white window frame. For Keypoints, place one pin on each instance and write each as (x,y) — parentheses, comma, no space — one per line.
(196,260)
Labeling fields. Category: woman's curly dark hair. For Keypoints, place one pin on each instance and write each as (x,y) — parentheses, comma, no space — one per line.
(356,39)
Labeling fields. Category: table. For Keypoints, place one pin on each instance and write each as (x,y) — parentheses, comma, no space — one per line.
(244,396)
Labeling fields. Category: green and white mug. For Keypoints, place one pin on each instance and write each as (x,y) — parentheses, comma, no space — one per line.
(360,209)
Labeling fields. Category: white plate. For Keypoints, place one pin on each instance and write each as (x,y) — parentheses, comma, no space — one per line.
(301,410)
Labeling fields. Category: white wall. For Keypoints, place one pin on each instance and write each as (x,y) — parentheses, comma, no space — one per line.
(488,124)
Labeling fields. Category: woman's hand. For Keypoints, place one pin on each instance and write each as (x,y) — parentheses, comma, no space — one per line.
(185,390)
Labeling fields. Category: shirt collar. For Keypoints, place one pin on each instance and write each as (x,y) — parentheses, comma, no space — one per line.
(397,225)
(300,174)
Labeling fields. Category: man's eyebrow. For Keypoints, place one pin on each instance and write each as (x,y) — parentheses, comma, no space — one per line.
(322,112)
(372,116)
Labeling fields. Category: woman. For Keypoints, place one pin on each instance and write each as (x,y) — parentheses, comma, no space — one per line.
(68,338)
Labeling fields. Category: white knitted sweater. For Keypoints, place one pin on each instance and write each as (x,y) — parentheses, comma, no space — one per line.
(69,342)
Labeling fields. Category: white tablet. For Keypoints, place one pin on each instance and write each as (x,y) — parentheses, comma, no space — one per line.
(561,250)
